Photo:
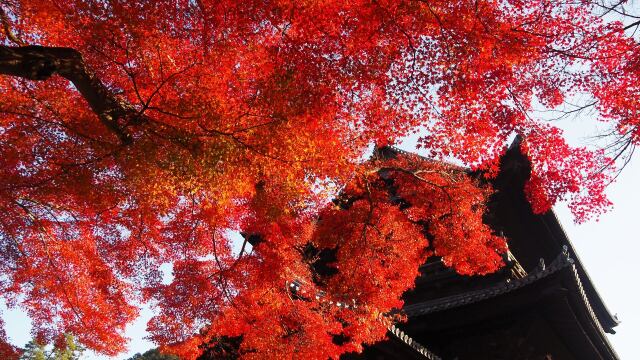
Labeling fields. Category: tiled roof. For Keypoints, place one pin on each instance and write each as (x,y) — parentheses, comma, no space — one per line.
(431,306)
(399,334)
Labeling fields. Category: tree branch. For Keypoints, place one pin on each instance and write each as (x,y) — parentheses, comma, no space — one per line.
(36,62)
(4,19)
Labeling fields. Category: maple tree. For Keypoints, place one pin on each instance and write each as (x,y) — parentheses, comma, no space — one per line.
(140,133)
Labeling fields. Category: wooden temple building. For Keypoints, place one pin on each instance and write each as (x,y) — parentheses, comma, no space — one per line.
(541,306)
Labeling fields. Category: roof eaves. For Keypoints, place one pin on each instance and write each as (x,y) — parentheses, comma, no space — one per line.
(408,340)
(431,306)
(605,318)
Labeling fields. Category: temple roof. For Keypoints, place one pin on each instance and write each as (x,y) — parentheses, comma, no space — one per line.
(423,308)
(548,232)
(534,239)
(515,170)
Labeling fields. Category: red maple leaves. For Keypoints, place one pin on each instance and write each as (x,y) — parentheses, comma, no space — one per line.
(138,134)
(362,251)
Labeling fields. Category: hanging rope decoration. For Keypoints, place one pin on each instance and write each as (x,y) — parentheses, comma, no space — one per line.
(296,290)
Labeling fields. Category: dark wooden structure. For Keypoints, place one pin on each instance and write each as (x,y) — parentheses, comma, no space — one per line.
(541,306)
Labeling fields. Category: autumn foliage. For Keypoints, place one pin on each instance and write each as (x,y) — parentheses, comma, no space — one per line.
(139,134)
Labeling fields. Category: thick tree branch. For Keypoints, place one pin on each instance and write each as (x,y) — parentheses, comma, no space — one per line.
(6,25)
(40,63)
